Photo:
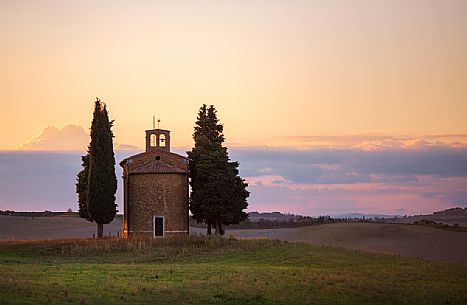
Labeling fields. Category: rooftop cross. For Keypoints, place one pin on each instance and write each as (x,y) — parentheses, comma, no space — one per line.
(154,122)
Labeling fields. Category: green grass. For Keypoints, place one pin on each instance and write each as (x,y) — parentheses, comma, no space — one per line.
(219,271)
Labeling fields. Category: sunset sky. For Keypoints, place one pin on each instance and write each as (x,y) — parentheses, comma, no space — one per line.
(272,68)
(355,81)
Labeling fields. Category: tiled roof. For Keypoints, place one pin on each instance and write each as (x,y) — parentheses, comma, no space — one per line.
(148,166)
(156,161)
(155,153)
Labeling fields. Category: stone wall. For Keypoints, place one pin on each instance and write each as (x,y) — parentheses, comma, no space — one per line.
(159,194)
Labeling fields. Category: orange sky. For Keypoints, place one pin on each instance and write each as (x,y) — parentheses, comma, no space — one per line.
(272,68)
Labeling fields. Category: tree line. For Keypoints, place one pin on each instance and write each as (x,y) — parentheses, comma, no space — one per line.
(264,223)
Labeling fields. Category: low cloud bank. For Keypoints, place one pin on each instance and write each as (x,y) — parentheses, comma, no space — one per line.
(311,181)
(333,181)
(331,166)
(373,141)
(44,180)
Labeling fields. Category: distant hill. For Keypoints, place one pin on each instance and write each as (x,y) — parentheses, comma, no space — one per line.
(37,214)
(256,216)
(451,216)
(44,214)
(452,212)
(363,216)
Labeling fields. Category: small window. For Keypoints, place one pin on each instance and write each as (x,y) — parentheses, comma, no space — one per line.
(159,226)
(153,140)
(158,158)
(162,140)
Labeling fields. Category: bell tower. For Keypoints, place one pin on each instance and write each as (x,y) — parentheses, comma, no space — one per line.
(157,139)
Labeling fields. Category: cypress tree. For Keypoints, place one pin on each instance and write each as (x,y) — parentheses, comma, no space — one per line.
(218,194)
(102,181)
(81,188)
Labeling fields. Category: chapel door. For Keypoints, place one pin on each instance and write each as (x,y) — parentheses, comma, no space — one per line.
(158,226)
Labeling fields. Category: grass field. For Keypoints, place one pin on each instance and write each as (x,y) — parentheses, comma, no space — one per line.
(219,271)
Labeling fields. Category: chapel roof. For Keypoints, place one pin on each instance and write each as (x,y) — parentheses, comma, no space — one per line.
(155,167)
(156,162)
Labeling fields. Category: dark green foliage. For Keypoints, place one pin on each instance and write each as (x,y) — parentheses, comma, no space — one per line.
(81,189)
(218,194)
(97,182)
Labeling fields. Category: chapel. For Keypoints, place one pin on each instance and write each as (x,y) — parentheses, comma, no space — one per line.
(155,189)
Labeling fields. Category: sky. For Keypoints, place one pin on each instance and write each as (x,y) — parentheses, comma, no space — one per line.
(358,80)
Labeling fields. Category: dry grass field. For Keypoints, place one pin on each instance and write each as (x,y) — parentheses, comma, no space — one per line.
(401,239)
(407,240)
(36,228)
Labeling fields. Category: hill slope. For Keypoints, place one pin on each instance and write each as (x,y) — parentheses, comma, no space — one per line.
(399,239)
(219,271)
(409,240)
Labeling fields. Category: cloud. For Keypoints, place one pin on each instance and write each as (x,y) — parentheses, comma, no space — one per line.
(39,180)
(363,198)
(68,137)
(265,180)
(266,170)
(442,162)
(320,181)
(307,181)
(126,147)
(371,141)
(335,166)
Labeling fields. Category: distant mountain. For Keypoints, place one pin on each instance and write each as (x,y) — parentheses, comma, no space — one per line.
(361,216)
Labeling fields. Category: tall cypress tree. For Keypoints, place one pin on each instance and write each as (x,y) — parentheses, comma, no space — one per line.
(97,182)
(218,194)
(81,189)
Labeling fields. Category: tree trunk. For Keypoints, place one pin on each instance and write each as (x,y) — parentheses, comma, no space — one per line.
(218,227)
(209,229)
(100,230)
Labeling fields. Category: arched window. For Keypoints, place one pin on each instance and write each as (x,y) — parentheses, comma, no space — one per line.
(162,140)
(153,140)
